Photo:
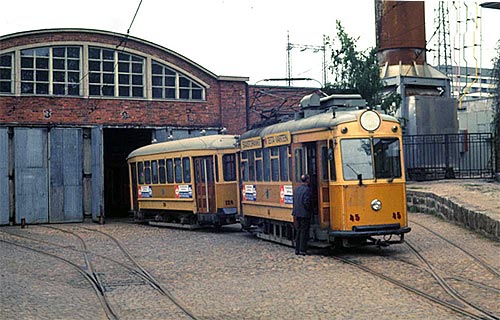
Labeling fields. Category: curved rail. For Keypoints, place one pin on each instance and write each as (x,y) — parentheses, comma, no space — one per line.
(88,276)
(418,292)
(473,256)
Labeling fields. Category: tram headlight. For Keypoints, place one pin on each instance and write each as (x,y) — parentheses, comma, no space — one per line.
(376,205)
(370,120)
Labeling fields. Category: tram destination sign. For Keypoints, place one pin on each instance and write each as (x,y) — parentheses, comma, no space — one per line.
(252,143)
(277,139)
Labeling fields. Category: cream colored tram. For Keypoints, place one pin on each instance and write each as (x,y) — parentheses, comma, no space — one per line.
(186,182)
(355,161)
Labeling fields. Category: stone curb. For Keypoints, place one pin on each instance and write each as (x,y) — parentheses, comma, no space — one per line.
(478,221)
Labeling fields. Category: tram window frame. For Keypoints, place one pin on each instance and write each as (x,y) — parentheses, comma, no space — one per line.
(324,163)
(244,165)
(170,170)
(216,165)
(140,172)
(147,172)
(275,164)
(258,165)
(283,159)
(229,167)
(359,152)
(251,165)
(178,170)
(299,163)
(186,169)
(154,171)
(133,173)
(266,157)
(391,165)
(331,157)
(162,171)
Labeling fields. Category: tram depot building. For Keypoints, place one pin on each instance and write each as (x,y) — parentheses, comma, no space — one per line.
(75,102)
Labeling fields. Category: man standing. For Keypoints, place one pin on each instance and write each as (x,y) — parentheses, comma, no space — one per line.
(302,215)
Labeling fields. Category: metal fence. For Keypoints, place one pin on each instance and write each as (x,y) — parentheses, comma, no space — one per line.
(449,156)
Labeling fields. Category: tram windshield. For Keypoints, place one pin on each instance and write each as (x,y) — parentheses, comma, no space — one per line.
(368,158)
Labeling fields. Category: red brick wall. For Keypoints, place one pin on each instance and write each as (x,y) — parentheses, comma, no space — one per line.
(230,104)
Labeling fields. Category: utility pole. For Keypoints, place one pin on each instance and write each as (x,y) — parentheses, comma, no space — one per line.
(304,47)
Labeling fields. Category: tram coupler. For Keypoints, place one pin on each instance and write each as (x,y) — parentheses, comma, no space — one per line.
(379,242)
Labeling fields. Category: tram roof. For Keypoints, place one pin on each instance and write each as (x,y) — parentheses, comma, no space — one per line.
(322,120)
(212,142)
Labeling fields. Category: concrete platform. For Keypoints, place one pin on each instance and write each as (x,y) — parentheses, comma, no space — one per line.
(474,204)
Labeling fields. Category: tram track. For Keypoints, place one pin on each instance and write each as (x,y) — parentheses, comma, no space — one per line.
(471,297)
(110,313)
(483,263)
(451,306)
(445,285)
(91,273)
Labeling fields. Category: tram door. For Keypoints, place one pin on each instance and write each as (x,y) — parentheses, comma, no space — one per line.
(311,168)
(204,184)
(134,192)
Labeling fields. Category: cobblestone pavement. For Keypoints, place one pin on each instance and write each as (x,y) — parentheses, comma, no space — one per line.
(228,275)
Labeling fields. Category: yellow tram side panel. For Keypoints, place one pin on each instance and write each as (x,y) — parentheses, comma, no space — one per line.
(163,195)
(163,198)
(267,204)
(227,195)
(351,205)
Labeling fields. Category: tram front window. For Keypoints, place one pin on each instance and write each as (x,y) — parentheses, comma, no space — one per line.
(387,158)
(356,159)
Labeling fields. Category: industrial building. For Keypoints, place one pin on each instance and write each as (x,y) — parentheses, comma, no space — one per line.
(75,102)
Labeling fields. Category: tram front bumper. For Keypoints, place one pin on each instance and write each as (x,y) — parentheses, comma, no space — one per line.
(368,231)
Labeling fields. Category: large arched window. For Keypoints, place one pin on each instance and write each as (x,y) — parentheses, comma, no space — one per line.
(51,70)
(170,84)
(6,75)
(113,73)
(81,69)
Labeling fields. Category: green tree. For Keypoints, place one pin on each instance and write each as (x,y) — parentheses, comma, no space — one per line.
(354,71)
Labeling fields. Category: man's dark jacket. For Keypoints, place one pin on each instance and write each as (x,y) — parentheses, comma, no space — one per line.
(302,202)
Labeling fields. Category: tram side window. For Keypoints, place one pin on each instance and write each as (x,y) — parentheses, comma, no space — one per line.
(170,171)
(387,158)
(258,164)
(178,170)
(324,163)
(154,171)
(299,164)
(229,167)
(251,165)
(163,174)
(133,174)
(267,164)
(331,156)
(216,168)
(140,171)
(275,169)
(244,165)
(147,172)
(284,163)
(186,169)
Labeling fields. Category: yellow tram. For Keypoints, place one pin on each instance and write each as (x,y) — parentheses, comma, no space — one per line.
(355,162)
(186,182)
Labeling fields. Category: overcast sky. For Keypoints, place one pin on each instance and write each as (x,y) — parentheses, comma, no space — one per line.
(245,38)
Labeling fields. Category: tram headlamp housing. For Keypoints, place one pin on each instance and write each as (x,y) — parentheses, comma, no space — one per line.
(370,120)
(376,205)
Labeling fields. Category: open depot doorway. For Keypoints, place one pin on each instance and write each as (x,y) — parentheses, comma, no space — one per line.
(118,143)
